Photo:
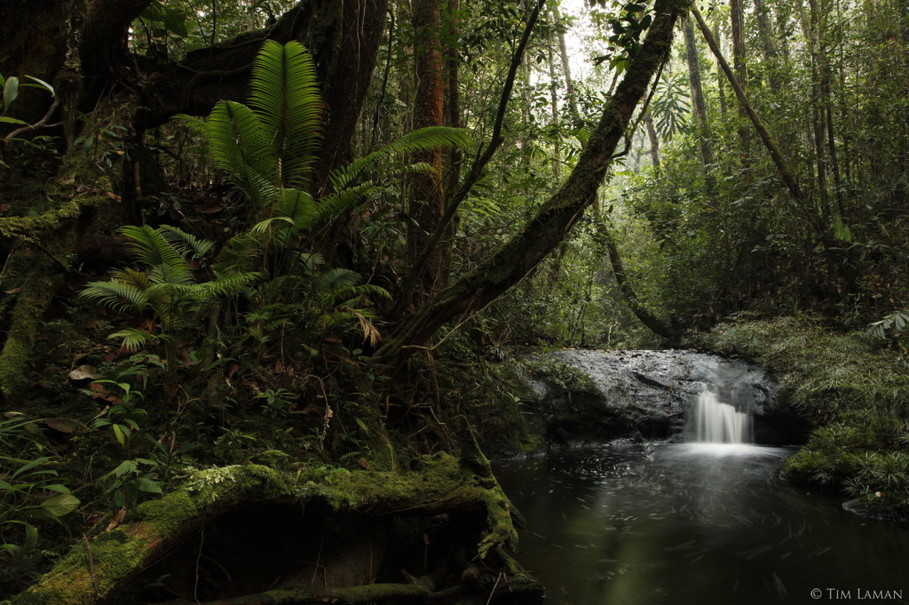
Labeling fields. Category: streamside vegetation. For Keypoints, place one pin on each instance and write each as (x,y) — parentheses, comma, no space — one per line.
(267,268)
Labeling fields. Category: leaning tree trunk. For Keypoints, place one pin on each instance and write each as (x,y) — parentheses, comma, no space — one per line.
(547,229)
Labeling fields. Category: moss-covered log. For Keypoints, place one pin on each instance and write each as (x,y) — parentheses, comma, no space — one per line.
(105,568)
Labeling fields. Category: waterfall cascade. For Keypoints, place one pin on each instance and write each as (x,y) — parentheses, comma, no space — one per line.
(718,422)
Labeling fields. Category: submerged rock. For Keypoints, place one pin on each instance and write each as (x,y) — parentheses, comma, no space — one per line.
(592,395)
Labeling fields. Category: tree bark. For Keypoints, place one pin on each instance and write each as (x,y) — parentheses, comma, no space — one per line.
(699,105)
(426,195)
(545,231)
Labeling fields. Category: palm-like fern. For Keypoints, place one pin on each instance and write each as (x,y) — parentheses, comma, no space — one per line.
(269,148)
(164,287)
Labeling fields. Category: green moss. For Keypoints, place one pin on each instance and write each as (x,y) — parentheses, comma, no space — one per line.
(116,555)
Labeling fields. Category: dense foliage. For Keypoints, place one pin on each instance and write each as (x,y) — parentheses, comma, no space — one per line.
(306,236)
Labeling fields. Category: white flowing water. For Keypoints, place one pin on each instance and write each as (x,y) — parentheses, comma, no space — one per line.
(718,422)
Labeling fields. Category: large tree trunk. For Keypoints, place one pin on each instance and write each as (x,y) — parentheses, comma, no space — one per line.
(699,105)
(427,197)
(546,230)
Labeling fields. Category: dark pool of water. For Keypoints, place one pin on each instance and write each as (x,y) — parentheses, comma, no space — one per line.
(695,524)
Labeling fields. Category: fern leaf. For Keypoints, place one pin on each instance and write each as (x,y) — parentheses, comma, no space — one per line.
(115,295)
(134,338)
(240,145)
(186,243)
(342,201)
(284,94)
(298,206)
(163,261)
(423,139)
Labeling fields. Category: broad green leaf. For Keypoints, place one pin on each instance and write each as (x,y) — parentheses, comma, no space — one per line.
(149,486)
(10,91)
(7,120)
(60,504)
(121,433)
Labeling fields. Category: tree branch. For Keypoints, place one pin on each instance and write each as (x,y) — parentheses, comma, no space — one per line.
(547,229)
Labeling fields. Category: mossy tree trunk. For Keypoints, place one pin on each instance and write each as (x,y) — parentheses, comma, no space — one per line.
(108,567)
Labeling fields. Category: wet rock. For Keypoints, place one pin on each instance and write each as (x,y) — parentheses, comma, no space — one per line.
(592,395)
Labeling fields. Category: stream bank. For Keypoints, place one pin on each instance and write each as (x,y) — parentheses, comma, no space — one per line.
(839,396)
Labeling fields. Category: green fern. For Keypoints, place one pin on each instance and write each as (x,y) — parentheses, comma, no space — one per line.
(285,96)
(165,287)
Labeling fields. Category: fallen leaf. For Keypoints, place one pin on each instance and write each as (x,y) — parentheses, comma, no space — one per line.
(84,372)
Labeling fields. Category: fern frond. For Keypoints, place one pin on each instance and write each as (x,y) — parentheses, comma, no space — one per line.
(298,206)
(240,145)
(117,296)
(239,254)
(344,200)
(186,243)
(228,285)
(284,94)
(337,280)
(134,277)
(163,261)
(423,139)
(134,338)
(263,227)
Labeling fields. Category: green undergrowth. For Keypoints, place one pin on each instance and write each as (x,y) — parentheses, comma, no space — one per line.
(853,391)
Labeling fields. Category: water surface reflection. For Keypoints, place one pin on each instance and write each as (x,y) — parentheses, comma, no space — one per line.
(694,523)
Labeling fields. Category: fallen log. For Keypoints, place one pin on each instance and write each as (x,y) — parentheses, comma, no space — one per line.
(250,534)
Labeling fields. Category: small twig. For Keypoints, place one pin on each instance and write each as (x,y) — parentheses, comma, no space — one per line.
(494,586)
(42,122)
(90,559)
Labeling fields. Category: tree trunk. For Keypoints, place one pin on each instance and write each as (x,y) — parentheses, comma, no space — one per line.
(741,70)
(654,141)
(652,322)
(566,66)
(545,231)
(699,105)
(785,171)
(427,198)
(556,130)
(477,169)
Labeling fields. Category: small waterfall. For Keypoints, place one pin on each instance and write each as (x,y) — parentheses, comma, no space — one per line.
(718,422)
